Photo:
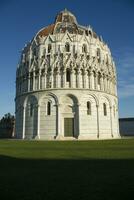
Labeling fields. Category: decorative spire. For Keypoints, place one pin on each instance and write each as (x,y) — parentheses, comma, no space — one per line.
(65,10)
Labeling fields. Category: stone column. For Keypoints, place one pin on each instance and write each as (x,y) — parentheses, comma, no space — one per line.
(58,85)
(96,81)
(45,79)
(117,122)
(84,79)
(29,77)
(78,78)
(39,80)
(38,131)
(64,78)
(87,80)
(115,88)
(26,85)
(72,79)
(98,122)
(52,79)
(111,121)
(77,118)
(24,121)
(101,83)
(111,86)
(81,79)
(108,84)
(91,80)
(59,133)
(33,80)
(21,84)
(105,83)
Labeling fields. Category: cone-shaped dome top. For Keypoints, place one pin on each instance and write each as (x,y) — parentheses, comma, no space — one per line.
(65,16)
(65,21)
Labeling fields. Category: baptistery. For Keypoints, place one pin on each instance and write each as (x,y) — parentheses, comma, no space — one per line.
(66,85)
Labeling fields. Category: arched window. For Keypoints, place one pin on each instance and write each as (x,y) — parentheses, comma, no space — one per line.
(68,75)
(48,108)
(84,48)
(67,47)
(104,109)
(49,48)
(31,110)
(88,108)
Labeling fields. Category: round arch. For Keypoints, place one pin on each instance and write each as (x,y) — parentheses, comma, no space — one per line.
(105,96)
(95,98)
(32,97)
(72,96)
(47,95)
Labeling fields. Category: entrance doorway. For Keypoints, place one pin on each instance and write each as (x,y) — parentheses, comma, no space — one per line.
(69,127)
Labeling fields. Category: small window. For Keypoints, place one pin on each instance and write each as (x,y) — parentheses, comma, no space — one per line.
(104,109)
(98,54)
(67,47)
(34,52)
(84,48)
(74,49)
(49,48)
(68,75)
(88,108)
(31,110)
(107,59)
(99,77)
(48,108)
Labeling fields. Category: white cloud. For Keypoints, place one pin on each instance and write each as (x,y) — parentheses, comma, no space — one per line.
(126,91)
(125,69)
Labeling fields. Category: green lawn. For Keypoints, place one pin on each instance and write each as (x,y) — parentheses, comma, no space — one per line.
(68,170)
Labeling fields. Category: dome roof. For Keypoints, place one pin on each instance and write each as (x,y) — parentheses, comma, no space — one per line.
(65,21)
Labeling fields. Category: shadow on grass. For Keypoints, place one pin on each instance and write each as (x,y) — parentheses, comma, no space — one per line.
(25,179)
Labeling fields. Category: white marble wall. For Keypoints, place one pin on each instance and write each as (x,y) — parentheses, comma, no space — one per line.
(94,126)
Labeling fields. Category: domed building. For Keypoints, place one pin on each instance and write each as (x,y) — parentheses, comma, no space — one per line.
(66,86)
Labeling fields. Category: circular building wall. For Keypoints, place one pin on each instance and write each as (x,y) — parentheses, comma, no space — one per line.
(66,86)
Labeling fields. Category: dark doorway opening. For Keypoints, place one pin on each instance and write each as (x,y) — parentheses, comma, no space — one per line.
(69,127)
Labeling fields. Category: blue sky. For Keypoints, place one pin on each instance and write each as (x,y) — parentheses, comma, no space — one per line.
(113,19)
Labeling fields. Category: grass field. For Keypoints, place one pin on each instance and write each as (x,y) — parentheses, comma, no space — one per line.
(68,170)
